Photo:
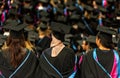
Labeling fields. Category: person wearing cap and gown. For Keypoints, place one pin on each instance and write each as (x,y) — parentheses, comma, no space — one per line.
(58,60)
(101,62)
(88,43)
(43,42)
(16,61)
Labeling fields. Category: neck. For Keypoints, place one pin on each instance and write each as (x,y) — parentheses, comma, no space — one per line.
(57,49)
(55,43)
(104,48)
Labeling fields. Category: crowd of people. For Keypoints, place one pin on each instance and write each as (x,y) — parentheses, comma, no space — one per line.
(59,38)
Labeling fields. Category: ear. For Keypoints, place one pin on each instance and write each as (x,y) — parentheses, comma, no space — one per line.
(98,41)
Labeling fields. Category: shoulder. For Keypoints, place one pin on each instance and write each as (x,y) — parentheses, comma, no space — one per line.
(68,53)
(68,50)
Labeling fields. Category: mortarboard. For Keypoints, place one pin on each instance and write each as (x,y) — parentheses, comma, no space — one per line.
(1,42)
(43,1)
(81,25)
(91,39)
(3,37)
(99,2)
(45,19)
(107,30)
(60,11)
(27,29)
(115,40)
(102,9)
(67,42)
(28,19)
(88,8)
(14,5)
(13,11)
(75,17)
(44,13)
(55,1)
(60,27)
(118,13)
(68,36)
(71,8)
(110,0)
(16,29)
(62,19)
(27,1)
(32,36)
(61,6)
(42,26)
(1,3)
(79,42)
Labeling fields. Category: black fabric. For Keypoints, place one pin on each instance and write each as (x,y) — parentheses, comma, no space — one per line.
(64,63)
(30,68)
(43,43)
(90,69)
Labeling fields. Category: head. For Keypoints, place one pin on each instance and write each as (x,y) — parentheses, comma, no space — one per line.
(58,35)
(59,30)
(85,45)
(15,42)
(104,39)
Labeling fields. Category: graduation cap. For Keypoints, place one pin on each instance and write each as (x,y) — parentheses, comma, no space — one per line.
(115,40)
(59,30)
(68,36)
(3,37)
(1,42)
(71,8)
(60,27)
(27,29)
(43,27)
(99,2)
(94,17)
(43,1)
(60,11)
(62,19)
(118,13)
(107,30)
(81,25)
(32,36)
(16,29)
(107,22)
(14,5)
(27,1)
(1,3)
(79,42)
(13,11)
(45,19)
(61,6)
(88,8)
(55,1)
(110,0)
(74,17)
(91,39)
(44,13)
(102,9)
(28,19)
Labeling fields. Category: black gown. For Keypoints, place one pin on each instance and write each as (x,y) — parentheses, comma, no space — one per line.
(89,68)
(64,63)
(29,68)
(42,44)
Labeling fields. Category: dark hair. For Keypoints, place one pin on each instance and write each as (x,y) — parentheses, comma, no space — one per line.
(58,35)
(15,50)
(105,39)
